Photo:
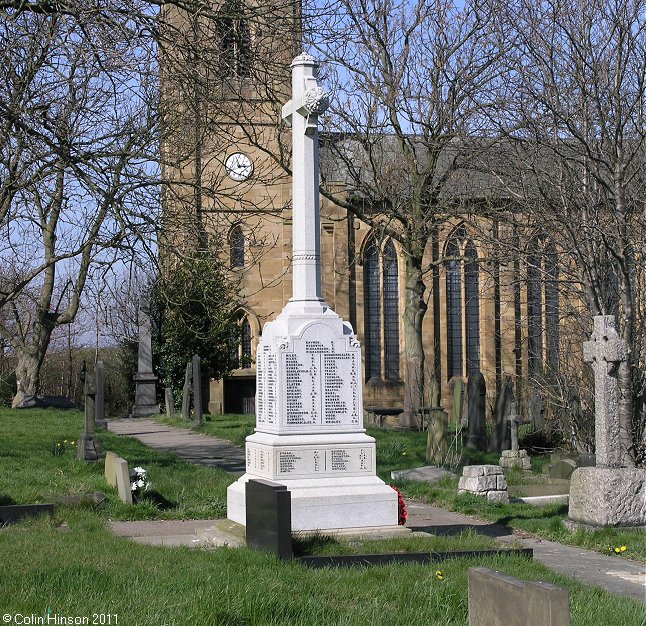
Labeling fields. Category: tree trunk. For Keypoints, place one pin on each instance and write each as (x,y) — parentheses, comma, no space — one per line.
(27,375)
(414,310)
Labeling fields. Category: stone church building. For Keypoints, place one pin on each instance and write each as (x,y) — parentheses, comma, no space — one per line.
(224,150)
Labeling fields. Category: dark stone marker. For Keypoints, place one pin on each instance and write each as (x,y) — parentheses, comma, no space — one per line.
(476,398)
(16,512)
(186,392)
(269,517)
(197,390)
(89,446)
(500,435)
(498,599)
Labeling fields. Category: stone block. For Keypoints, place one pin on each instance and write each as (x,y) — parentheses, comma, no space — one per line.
(498,599)
(109,469)
(123,480)
(471,471)
(491,470)
(608,496)
(501,482)
(479,484)
(269,517)
(498,496)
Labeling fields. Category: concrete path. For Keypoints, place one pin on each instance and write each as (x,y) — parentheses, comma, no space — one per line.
(617,575)
(193,447)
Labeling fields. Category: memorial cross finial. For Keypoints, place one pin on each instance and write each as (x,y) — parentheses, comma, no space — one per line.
(301,113)
(605,351)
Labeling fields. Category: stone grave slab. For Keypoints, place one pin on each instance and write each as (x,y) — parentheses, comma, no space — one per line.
(496,599)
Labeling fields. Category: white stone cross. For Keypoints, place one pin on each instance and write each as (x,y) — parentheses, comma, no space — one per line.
(605,351)
(301,112)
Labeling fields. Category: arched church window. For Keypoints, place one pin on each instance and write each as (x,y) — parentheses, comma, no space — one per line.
(381,310)
(236,247)
(235,40)
(372,308)
(245,344)
(241,356)
(391,310)
(472,307)
(542,307)
(462,305)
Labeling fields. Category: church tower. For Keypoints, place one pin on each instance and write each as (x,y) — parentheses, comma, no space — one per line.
(225,75)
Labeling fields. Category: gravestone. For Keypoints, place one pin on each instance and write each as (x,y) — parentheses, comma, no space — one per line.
(89,445)
(145,379)
(309,406)
(496,599)
(500,435)
(186,392)
(456,388)
(437,422)
(109,469)
(515,457)
(476,397)
(168,400)
(269,518)
(122,474)
(99,398)
(609,494)
(196,366)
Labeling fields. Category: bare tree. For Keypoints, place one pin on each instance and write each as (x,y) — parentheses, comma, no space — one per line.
(77,142)
(413,81)
(575,121)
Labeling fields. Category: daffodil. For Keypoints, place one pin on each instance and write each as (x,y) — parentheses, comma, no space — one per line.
(623,548)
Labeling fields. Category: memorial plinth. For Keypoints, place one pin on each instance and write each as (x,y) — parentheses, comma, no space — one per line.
(309,410)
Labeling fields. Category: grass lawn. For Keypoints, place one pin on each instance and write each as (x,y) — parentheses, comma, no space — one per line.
(73,566)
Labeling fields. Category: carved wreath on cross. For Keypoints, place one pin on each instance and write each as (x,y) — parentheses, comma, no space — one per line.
(316,101)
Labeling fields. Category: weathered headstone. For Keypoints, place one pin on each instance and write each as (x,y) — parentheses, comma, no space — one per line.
(122,474)
(89,445)
(309,406)
(495,598)
(168,400)
(476,396)
(196,366)
(186,392)
(109,469)
(269,517)
(456,387)
(99,398)
(500,436)
(609,494)
(515,457)
(436,443)
(145,379)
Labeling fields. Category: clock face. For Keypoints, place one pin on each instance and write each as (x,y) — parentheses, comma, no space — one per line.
(239,166)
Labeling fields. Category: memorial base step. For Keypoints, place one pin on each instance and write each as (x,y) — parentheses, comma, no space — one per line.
(324,504)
